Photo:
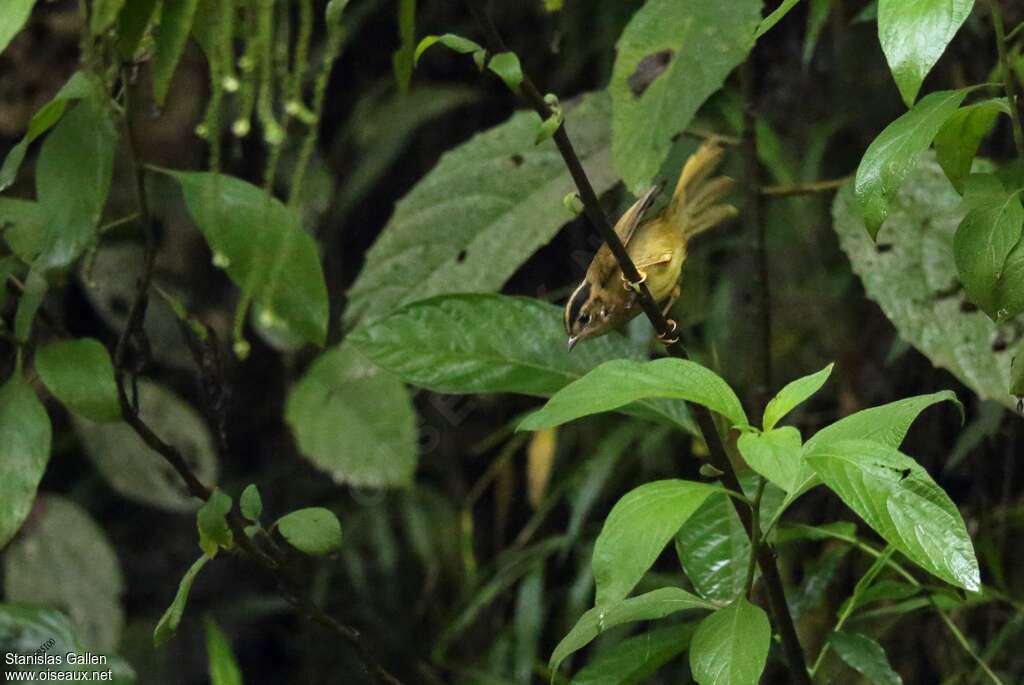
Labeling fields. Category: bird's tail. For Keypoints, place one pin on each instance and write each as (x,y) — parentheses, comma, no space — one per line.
(695,204)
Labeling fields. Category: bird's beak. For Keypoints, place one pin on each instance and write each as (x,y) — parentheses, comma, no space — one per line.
(573,339)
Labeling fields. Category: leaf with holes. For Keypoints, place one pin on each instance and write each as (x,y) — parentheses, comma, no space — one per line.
(671,57)
(900,501)
(480,213)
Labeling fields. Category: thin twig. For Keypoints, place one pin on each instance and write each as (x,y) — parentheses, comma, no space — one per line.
(718,456)
(755,538)
(1009,82)
(273,560)
(794,189)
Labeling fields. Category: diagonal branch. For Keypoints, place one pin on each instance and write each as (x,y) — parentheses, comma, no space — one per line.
(718,456)
(272,559)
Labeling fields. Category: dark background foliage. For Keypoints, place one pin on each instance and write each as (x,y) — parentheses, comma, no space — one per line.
(433,574)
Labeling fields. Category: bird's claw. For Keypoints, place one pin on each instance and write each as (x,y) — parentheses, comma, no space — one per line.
(633,285)
(670,336)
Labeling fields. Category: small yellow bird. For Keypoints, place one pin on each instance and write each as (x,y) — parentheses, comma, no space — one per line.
(605,300)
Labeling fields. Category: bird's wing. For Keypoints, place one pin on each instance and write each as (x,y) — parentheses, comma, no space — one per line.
(604,265)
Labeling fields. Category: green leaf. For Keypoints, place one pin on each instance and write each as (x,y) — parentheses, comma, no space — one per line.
(73,174)
(450,41)
(792,395)
(530,616)
(618,382)
(175,25)
(212,522)
(774,454)
(24,450)
(224,668)
(914,35)
(506,66)
(671,56)
(887,423)
(637,530)
(901,502)
(865,656)
(896,151)
(28,304)
(315,530)
(769,22)
(23,628)
(15,14)
(402,61)
(957,141)
(168,624)
(646,607)
(80,374)
(64,559)
(104,14)
(713,549)
(251,503)
(137,472)
(261,244)
(353,420)
(984,240)
(495,343)
(817,15)
(480,213)
(914,281)
(80,85)
(635,659)
(730,646)
(132,24)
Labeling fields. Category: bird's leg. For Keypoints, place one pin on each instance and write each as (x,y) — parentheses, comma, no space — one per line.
(673,296)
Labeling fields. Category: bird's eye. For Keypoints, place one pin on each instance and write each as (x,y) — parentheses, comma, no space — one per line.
(584,319)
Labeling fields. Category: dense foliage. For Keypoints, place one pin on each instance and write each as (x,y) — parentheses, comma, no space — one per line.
(285,395)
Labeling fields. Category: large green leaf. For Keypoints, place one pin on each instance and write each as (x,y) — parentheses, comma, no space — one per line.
(353,420)
(637,530)
(480,213)
(80,374)
(983,242)
(261,244)
(635,659)
(713,549)
(730,646)
(15,14)
(957,141)
(865,656)
(897,497)
(914,34)
(793,394)
(24,450)
(914,281)
(137,472)
(494,343)
(63,560)
(175,25)
(671,56)
(896,151)
(76,164)
(618,382)
(774,454)
(646,607)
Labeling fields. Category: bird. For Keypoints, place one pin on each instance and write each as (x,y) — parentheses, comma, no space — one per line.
(605,299)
